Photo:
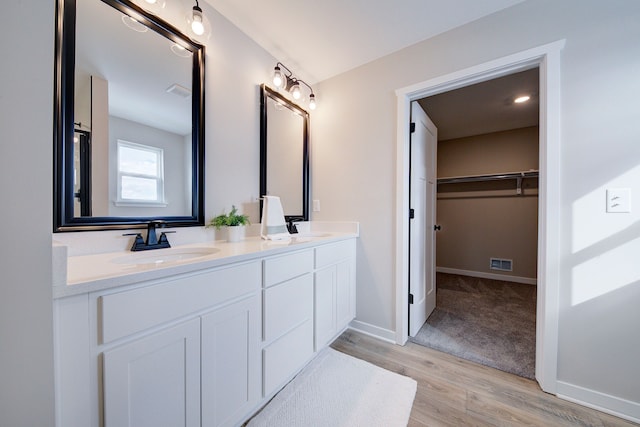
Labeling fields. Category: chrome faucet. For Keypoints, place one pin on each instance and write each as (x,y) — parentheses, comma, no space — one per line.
(152,242)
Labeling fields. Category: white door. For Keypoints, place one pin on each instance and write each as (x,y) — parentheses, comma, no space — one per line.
(422,276)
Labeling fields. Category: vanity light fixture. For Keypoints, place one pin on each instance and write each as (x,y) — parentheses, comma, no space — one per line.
(521,99)
(197,20)
(285,80)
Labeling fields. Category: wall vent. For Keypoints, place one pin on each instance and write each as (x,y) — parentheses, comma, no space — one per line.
(501,264)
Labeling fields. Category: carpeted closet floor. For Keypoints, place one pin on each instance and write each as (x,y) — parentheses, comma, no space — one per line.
(486,321)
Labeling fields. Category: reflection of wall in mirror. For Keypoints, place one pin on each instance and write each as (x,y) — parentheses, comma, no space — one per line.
(82,99)
(99,146)
(177,190)
(81,120)
(284,157)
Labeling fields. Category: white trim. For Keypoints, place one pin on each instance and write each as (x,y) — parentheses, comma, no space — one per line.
(547,58)
(493,276)
(613,405)
(373,331)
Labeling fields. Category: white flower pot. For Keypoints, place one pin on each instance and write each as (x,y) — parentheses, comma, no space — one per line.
(235,234)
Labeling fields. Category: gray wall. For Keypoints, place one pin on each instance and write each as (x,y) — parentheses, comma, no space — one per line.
(26,333)
(483,220)
(176,176)
(353,173)
(354,135)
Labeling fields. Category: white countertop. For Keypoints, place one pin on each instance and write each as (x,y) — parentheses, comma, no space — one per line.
(89,273)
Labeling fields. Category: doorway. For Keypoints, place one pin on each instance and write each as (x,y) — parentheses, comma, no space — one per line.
(547,58)
(486,203)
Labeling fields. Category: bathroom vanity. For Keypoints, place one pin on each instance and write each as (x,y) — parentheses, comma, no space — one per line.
(198,340)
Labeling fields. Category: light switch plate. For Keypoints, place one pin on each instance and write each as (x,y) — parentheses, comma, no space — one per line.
(316,205)
(619,200)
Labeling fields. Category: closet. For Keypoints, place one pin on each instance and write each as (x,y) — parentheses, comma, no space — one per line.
(487,223)
(487,205)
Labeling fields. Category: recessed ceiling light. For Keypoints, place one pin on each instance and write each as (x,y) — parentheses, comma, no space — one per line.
(134,24)
(181,51)
(521,99)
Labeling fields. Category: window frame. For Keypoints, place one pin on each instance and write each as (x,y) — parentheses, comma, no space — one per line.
(160,200)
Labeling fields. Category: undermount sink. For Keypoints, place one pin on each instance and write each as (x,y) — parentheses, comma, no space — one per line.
(164,256)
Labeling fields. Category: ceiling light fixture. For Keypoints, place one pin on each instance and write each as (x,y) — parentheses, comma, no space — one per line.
(521,99)
(285,80)
(197,20)
(134,24)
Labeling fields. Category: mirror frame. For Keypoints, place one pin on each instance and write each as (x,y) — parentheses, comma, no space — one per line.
(265,94)
(63,122)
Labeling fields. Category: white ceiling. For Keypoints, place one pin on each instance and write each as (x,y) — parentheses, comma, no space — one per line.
(319,39)
(485,107)
(139,68)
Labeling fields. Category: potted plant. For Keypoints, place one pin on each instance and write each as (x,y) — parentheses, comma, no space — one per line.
(233,221)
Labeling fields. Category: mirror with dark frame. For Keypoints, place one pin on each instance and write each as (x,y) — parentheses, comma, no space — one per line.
(128,119)
(284,153)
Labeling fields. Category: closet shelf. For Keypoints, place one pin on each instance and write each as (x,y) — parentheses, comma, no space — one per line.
(518,176)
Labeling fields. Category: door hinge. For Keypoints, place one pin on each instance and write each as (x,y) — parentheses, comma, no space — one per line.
(410,298)
(412,213)
(412,127)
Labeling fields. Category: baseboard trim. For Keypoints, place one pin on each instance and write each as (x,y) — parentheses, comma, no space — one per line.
(493,276)
(613,405)
(373,331)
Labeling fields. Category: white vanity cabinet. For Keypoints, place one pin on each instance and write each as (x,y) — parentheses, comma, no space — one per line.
(334,290)
(175,352)
(200,348)
(287,328)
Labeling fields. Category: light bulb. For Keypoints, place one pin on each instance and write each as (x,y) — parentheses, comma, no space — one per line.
(151,1)
(295,91)
(197,26)
(278,78)
(312,102)
(521,99)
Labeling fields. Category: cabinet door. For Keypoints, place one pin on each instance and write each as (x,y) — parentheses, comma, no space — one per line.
(230,363)
(345,295)
(155,381)
(325,305)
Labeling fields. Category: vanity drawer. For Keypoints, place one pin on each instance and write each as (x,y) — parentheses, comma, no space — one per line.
(285,267)
(128,312)
(335,252)
(286,356)
(287,305)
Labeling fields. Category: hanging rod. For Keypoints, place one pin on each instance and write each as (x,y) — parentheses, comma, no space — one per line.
(491,177)
(518,176)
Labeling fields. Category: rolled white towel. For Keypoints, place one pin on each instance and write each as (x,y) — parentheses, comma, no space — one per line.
(273,226)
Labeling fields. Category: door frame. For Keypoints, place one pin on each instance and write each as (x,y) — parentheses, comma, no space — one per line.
(547,59)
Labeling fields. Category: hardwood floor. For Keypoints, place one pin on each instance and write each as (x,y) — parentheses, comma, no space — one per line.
(456,392)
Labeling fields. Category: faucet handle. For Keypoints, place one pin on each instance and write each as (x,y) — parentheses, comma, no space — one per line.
(138,242)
